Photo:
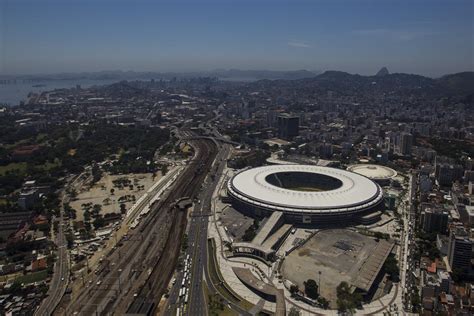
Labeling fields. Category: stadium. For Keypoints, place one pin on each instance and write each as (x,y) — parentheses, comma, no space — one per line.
(381,174)
(306,194)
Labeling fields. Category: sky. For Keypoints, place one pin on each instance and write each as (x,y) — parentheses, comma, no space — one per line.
(427,37)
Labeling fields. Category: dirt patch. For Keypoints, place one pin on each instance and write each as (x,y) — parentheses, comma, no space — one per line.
(108,192)
(303,252)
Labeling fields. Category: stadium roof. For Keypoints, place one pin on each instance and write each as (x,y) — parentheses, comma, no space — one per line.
(356,192)
(370,269)
(375,172)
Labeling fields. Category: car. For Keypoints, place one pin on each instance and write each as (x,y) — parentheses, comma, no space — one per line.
(62,279)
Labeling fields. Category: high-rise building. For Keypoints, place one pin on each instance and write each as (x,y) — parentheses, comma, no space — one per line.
(445,281)
(459,249)
(446,174)
(434,220)
(326,150)
(406,142)
(288,126)
(272,118)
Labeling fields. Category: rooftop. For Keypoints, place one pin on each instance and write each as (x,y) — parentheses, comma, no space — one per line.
(375,172)
(371,267)
(339,190)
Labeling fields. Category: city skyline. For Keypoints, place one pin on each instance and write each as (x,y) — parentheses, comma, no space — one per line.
(412,37)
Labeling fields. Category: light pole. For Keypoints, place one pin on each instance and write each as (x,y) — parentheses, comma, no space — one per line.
(120,285)
(319,287)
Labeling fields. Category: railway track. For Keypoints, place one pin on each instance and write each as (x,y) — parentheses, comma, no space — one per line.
(142,265)
(152,290)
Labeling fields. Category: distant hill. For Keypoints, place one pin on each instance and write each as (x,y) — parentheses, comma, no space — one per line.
(382,72)
(230,74)
(263,74)
(459,83)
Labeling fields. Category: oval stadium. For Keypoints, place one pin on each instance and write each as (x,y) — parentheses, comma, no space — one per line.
(306,194)
(380,174)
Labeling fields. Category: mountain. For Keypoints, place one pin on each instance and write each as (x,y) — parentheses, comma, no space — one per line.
(343,83)
(382,72)
(262,74)
(458,83)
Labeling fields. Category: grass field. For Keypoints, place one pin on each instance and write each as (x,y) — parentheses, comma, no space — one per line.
(8,277)
(307,189)
(20,166)
(32,277)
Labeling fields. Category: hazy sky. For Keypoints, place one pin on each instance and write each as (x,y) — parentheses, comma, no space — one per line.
(427,37)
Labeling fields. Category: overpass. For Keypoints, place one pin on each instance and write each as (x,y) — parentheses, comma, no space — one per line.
(219,139)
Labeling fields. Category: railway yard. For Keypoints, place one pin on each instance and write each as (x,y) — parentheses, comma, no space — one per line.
(134,275)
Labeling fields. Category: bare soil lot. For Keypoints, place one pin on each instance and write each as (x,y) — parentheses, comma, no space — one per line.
(100,193)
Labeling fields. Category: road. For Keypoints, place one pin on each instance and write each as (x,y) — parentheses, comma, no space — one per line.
(194,302)
(409,264)
(196,249)
(59,281)
(203,249)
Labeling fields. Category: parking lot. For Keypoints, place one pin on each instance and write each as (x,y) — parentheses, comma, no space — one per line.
(236,223)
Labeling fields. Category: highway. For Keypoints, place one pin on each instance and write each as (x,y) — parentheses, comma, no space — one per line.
(60,279)
(197,247)
(193,302)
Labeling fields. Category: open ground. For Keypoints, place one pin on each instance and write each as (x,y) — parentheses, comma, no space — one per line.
(100,193)
(337,253)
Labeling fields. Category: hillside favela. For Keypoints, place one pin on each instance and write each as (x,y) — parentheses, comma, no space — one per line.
(206,157)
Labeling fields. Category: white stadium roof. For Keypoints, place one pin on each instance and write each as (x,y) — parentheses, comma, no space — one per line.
(355,194)
(375,172)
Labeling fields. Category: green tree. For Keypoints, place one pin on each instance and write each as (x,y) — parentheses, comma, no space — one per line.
(99,222)
(87,216)
(391,268)
(123,208)
(96,209)
(323,302)
(294,312)
(96,173)
(294,289)
(346,299)
(70,239)
(164,169)
(249,234)
(311,289)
